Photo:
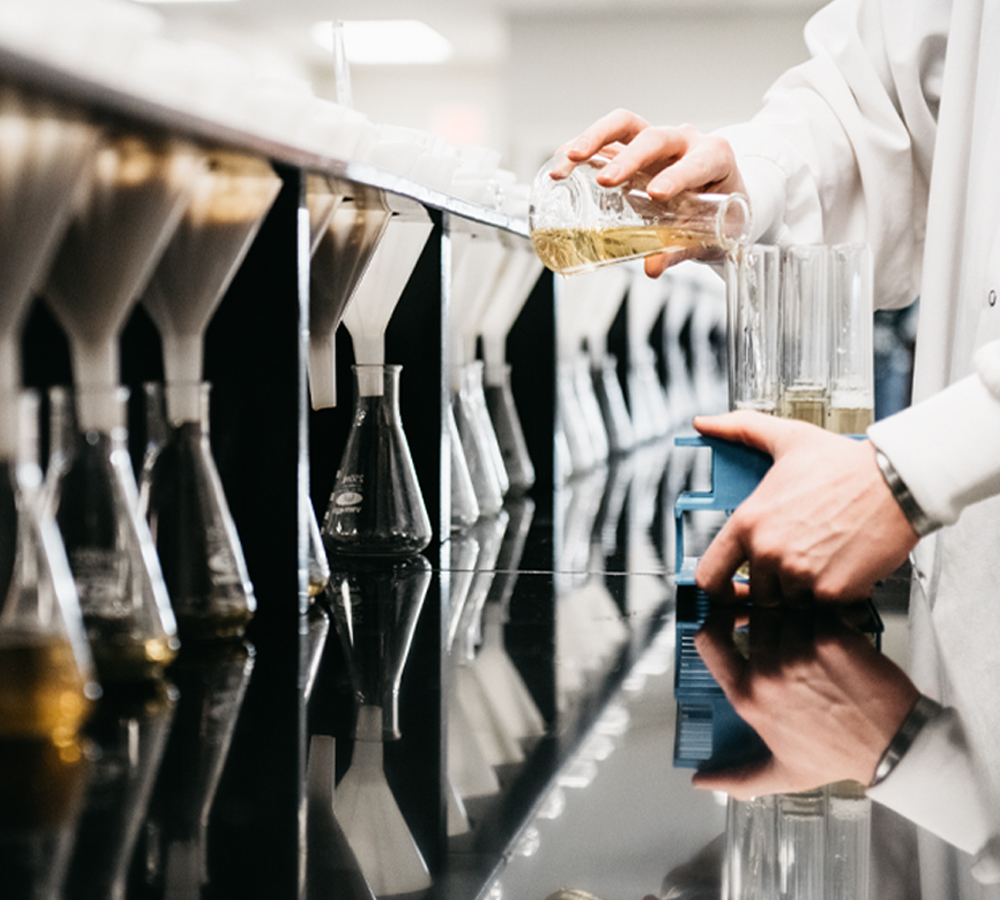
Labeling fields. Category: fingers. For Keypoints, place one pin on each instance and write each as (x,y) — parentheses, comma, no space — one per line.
(714,643)
(620,125)
(757,779)
(720,561)
(651,150)
(708,163)
(745,426)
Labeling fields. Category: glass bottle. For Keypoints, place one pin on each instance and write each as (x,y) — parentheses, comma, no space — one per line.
(577,225)
(376,508)
(94,499)
(507,426)
(189,519)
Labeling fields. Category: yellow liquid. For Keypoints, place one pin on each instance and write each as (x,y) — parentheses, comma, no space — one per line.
(569,250)
(849,421)
(120,656)
(42,692)
(807,406)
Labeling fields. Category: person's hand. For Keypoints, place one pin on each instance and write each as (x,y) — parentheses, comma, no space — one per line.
(815,690)
(673,159)
(821,524)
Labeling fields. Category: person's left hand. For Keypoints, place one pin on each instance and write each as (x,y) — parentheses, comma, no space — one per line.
(815,690)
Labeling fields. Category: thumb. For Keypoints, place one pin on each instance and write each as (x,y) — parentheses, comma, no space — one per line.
(744,426)
(755,779)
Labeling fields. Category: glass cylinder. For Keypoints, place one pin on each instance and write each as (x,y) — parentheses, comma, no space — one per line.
(577,225)
(376,508)
(753,295)
(852,354)
(189,519)
(801,845)
(805,334)
(93,496)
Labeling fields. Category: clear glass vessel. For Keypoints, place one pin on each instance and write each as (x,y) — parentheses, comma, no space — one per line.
(182,498)
(478,439)
(507,427)
(93,497)
(749,870)
(848,841)
(376,508)
(852,353)
(577,225)
(753,297)
(805,348)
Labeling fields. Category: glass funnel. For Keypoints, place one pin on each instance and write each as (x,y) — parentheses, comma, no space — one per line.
(194,534)
(376,508)
(93,497)
(227,205)
(46,151)
(137,194)
(339,262)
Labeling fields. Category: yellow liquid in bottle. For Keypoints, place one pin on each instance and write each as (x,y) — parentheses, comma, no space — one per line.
(569,250)
(807,405)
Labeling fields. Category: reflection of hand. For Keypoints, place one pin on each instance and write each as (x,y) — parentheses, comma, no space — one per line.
(822,523)
(675,159)
(821,697)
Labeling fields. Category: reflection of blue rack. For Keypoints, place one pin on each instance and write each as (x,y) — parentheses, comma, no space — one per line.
(709,734)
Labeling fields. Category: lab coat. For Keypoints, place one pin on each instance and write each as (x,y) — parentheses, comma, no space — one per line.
(890,134)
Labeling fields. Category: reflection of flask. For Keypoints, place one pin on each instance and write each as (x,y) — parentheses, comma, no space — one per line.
(479,440)
(189,519)
(376,508)
(127,734)
(212,679)
(93,494)
(375,610)
(576,224)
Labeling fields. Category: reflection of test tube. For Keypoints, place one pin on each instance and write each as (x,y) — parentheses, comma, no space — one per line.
(805,327)
(748,872)
(852,392)
(801,845)
(753,280)
(848,841)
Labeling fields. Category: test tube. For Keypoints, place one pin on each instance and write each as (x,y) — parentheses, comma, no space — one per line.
(749,870)
(852,390)
(753,282)
(804,334)
(848,841)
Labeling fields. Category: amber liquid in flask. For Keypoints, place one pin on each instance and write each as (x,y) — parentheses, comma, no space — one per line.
(376,508)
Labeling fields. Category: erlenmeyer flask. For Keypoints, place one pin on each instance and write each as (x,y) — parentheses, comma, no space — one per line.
(507,426)
(607,387)
(93,496)
(464,503)
(319,565)
(190,523)
(376,508)
(478,444)
(47,682)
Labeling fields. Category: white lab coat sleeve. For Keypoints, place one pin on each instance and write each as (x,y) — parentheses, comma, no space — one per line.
(935,785)
(841,150)
(945,447)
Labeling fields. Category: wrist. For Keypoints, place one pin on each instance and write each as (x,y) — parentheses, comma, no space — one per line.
(919,521)
(923,710)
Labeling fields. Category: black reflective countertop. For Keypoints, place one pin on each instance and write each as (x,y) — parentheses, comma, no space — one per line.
(445,731)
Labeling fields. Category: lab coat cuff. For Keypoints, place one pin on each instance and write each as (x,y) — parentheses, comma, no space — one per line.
(943,448)
(934,785)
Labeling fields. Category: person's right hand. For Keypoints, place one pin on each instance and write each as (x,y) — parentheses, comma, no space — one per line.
(821,697)
(674,159)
